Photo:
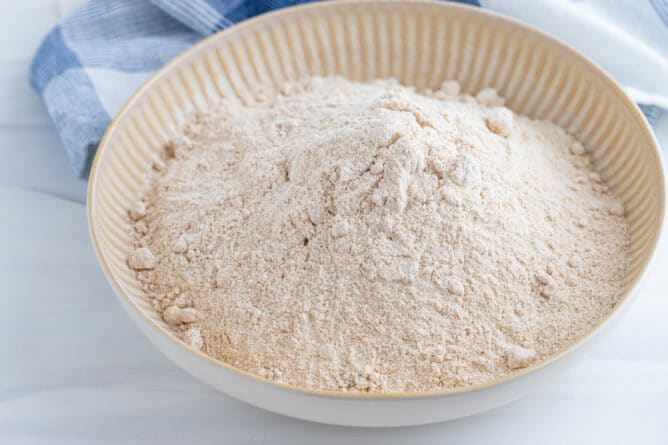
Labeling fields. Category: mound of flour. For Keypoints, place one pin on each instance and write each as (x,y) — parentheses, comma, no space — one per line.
(364,237)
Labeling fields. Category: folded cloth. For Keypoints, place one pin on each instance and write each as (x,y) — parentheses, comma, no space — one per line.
(91,63)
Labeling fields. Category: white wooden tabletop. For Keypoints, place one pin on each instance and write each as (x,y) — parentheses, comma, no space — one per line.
(73,369)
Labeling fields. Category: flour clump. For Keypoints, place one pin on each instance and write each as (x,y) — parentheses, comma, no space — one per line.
(366,237)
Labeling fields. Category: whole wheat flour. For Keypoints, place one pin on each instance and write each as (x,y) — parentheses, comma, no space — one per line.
(364,237)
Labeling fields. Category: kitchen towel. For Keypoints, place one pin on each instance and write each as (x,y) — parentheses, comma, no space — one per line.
(90,63)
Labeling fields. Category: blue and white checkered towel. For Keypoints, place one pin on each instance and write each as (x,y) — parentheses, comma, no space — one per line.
(92,62)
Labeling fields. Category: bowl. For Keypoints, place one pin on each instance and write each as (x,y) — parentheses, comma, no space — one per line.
(419,43)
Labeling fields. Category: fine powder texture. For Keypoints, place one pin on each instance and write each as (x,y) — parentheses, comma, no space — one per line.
(365,237)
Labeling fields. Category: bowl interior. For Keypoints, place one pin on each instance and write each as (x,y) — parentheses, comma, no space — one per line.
(420,44)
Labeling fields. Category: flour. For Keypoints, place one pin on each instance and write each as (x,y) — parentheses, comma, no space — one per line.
(363,237)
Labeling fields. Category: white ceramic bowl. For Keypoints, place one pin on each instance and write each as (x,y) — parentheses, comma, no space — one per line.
(420,44)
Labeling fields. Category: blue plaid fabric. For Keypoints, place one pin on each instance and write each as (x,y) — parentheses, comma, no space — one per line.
(92,62)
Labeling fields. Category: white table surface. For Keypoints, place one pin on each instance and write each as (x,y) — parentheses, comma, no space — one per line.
(73,369)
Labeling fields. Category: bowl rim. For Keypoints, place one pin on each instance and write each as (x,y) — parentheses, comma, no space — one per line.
(253,22)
